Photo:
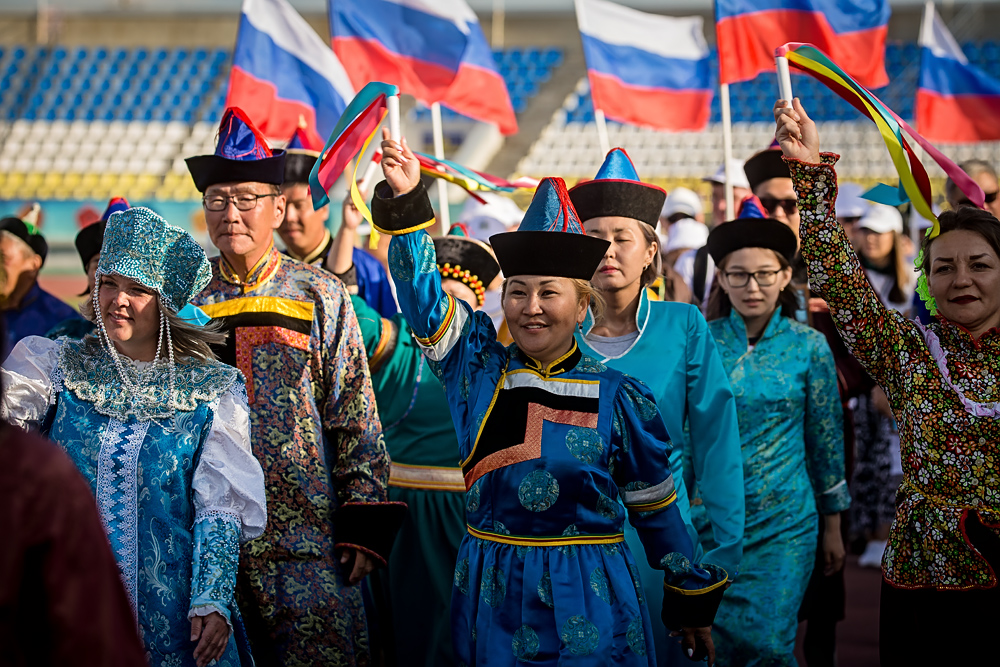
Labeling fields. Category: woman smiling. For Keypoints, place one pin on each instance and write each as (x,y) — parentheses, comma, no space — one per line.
(549,440)
(943,384)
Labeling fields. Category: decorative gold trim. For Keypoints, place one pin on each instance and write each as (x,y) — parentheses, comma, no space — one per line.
(700,591)
(408,230)
(521,541)
(446,322)
(429,478)
(655,505)
(300,310)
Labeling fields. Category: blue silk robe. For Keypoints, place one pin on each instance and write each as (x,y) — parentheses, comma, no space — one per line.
(676,357)
(791,425)
(176,501)
(543,574)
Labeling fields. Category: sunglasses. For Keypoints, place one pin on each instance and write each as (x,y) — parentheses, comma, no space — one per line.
(990,197)
(788,205)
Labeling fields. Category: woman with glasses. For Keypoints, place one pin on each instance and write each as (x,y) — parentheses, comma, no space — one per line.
(784,378)
(161,431)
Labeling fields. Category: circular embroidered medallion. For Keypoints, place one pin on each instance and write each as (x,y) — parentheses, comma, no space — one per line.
(425,255)
(644,407)
(494,586)
(538,491)
(525,644)
(545,591)
(636,636)
(580,636)
(462,576)
(584,444)
(607,508)
(400,263)
(601,586)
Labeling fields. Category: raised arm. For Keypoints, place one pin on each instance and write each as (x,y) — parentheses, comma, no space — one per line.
(873,334)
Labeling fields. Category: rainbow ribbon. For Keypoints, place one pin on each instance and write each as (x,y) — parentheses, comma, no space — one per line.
(468,179)
(913,181)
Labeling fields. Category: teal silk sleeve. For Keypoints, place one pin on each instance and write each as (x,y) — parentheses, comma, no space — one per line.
(715,445)
(215,561)
(824,431)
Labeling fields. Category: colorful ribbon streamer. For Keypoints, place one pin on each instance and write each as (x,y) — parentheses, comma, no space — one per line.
(913,181)
(468,179)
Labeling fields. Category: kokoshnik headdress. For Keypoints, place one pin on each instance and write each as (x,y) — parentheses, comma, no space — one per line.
(140,245)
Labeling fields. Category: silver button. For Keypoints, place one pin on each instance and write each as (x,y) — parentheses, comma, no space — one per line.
(980,356)
(982,441)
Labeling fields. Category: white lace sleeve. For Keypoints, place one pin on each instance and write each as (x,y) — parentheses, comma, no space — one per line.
(229,480)
(27,381)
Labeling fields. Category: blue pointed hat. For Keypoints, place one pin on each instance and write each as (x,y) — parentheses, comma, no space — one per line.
(551,240)
(752,229)
(301,155)
(617,191)
(241,156)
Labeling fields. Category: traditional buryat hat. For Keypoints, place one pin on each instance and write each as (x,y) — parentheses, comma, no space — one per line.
(766,165)
(28,233)
(752,230)
(140,245)
(551,240)
(90,239)
(617,190)
(241,155)
(467,260)
(300,156)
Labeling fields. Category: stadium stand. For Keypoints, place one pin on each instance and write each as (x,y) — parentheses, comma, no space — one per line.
(84,123)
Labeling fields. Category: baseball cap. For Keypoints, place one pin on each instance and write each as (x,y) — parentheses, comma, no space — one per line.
(682,200)
(881,218)
(736,169)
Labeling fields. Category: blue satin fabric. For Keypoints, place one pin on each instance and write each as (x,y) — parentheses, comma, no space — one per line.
(676,357)
(791,426)
(177,563)
(556,601)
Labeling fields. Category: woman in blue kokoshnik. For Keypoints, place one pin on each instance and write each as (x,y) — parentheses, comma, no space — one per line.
(549,439)
(160,430)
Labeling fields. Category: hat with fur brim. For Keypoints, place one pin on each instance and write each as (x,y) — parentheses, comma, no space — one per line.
(764,166)
(752,230)
(551,240)
(617,191)
(241,156)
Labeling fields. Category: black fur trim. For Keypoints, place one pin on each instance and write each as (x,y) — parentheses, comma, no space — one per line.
(559,254)
(298,164)
(404,214)
(209,170)
(691,610)
(628,199)
(764,166)
(752,233)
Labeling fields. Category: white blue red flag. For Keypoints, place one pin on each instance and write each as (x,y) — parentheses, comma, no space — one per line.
(956,101)
(284,73)
(434,50)
(851,32)
(646,69)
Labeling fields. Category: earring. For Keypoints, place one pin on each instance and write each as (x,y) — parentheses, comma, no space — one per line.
(579,325)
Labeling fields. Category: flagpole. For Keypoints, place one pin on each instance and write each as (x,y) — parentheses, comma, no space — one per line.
(727,149)
(392,106)
(784,79)
(602,132)
(444,215)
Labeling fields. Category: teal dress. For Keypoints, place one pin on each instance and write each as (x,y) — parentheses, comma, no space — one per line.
(791,428)
(676,357)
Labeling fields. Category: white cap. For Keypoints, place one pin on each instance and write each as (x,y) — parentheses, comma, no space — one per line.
(498,207)
(736,170)
(482,227)
(686,233)
(881,218)
(849,201)
(682,200)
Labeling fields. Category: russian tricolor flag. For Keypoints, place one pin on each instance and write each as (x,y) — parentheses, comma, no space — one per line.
(956,102)
(851,32)
(646,69)
(283,73)
(434,50)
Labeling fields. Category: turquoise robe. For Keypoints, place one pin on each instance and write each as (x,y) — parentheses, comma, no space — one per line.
(791,427)
(676,357)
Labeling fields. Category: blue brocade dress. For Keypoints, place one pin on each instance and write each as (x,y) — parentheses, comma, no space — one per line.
(543,575)
(176,501)
(793,464)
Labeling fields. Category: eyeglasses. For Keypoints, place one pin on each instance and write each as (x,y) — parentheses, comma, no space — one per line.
(770,204)
(742,278)
(989,197)
(244,202)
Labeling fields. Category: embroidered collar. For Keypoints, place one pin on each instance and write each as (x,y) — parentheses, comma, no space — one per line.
(564,363)
(775,325)
(89,372)
(262,271)
(320,251)
(940,354)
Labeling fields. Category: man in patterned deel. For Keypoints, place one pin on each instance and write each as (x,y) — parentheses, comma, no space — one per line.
(315,427)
